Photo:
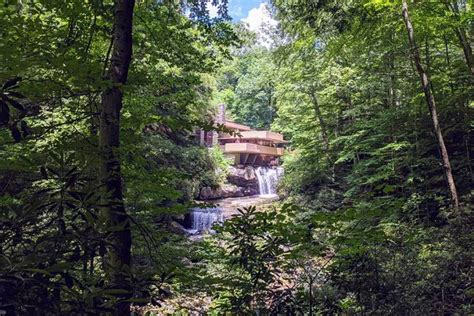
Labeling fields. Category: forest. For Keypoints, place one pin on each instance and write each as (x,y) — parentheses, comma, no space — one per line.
(101,106)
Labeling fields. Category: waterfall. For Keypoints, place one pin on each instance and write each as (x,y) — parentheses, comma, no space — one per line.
(202,219)
(268,179)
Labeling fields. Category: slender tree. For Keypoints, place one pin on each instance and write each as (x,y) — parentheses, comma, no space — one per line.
(118,260)
(462,35)
(319,115)
(430,100)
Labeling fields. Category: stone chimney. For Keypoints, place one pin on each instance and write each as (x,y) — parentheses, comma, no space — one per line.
(221,114)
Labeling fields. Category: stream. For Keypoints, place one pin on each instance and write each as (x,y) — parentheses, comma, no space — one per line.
(202,219)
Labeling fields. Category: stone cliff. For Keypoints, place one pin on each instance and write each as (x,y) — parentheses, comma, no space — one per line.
(241,181)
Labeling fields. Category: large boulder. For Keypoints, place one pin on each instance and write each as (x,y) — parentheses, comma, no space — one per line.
(250,191)
(177,228)
(223,191)
(230,190)
(244,177)
(208,193)
(242,181)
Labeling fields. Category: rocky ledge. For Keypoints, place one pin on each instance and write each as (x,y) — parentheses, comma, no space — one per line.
(241,181)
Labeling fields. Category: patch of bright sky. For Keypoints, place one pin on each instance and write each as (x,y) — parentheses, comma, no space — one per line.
(252,12)
(238,9)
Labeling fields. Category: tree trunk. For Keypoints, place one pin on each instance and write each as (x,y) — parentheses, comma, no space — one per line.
(462,37)
(322,123)
(311,295)
(270,109)
(391,80)
(466,47)
(118,257)
(430,100)
(448,60)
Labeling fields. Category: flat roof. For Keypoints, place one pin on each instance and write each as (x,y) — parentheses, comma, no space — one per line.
(273,140)
(237,126)
(257,135)
(248,148)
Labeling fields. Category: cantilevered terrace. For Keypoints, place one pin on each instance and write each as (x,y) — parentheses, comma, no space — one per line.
(253,147)
(244,145)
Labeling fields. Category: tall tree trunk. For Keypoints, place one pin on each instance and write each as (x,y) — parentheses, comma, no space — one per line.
(448,60)
(462,36)
(118,257)
(310,296)
(466,47)
(430,100)
(322,122)
(270,109)
(391,80)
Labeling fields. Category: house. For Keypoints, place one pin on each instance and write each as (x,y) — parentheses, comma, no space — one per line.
(244,145)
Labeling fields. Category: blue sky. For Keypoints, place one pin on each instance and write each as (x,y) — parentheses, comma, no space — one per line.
(239,9)
(254,13)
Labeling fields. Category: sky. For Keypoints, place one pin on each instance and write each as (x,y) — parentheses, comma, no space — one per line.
(240,9)
(252,12)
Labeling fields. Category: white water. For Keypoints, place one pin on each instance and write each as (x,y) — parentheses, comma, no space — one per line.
(203,219)
(268,180)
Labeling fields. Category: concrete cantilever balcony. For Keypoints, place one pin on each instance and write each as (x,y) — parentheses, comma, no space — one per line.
(236,126)
(248,148)
(257,135)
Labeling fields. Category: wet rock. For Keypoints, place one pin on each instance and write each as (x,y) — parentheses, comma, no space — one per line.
(230,190)
(177,228)
(250,191)
(242,181)
(244,177)
(208,193)
(224,191)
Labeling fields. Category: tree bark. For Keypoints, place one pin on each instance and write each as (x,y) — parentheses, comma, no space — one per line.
(462,37)
(311,295)
(319,115)
(391,80)
(118,256)
(430,100)
(466,47)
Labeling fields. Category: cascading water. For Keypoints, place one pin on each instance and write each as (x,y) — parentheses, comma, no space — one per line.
(202,219)
(268,179)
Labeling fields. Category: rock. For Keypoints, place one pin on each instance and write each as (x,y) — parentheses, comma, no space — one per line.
(230,190)
(242,181)
(177,228)
(245,173)
(224,191)
(244,177)
(250,191)
(208,193)
(178,217)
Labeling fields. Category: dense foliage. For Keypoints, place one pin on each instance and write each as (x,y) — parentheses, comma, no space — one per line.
(365,172)
(350,98)
(54,232)
(247,87)
(375,217)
